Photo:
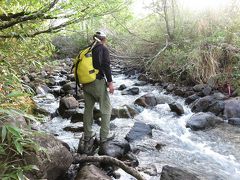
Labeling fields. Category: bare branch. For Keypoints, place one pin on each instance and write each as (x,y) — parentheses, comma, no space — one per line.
(112,161)
(32,16)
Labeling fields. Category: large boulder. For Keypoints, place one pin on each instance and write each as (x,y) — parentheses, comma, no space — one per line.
(53,162)
(66,104)
(191,98)
(217,107)
(91,172)
(201,121)
(232,108)
(131,91)
(173,173)
(139,131)
(115,148)
(202,104)
(147,100)
(177,108)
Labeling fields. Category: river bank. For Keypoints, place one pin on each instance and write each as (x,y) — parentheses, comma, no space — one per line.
(152,110)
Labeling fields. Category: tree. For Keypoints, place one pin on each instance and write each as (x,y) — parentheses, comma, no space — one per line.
(28,18)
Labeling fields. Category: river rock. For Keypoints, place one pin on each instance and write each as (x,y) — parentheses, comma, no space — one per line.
(164,99)
(199,87)
(131,91)
(71,77)
(42,89)
(219,96)
(69,86)
(207,90)
(234,121)
(122,87)
(170,87)
(202,104)
(177,108)
(115,148)
(151,170)
(142,77)
(91,172)
(74,128)
(124,112)
(201,121)
(173,173)
(180,91)
(217,107)
(77,117)
(147,100)
(53,162)
(65,104)
(191,98)
(139,131)
(140,83)
(232,108)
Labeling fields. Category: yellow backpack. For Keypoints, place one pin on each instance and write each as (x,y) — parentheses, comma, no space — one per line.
(84,72)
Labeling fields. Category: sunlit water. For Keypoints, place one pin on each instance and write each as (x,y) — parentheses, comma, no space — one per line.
(212,154)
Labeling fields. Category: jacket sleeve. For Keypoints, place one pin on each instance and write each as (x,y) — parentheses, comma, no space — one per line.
(106,64)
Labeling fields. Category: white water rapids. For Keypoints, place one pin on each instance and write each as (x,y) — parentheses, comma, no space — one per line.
(212,154)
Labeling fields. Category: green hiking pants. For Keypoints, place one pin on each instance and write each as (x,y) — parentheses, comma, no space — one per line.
(96,92)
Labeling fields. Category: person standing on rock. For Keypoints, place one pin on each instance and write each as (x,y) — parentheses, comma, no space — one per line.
(97,92)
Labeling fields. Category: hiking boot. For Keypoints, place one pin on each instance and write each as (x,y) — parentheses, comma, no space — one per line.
(86,146)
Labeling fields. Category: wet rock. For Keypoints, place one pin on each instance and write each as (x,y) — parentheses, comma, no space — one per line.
(51,82)
(44,74)
(170,87)
(232,108)
(63,72)
(207,90)
(77,117)
(159,146)
(177,108)
(115,148)
(163,99)
(148,100)
(180,91)
(202,104)
(91,172)
(217,108)
(234,121)
(131,91)
(122,87)
(201,121)
(173,173)
(191,98)
(74,128)
(65,104)
(62,82)
(219,96)
(165,85)
(140,83)
(199,87)
(124,112)
(42,89)
(142,77)
(53,162)
(139,131)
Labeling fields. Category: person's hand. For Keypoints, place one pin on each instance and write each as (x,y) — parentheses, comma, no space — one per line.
(111,88)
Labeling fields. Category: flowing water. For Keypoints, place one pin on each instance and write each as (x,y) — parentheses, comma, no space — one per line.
(212,154)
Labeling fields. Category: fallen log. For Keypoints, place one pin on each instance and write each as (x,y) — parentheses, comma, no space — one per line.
(111,161)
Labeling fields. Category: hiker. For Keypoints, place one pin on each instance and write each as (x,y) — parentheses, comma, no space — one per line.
(96,91)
